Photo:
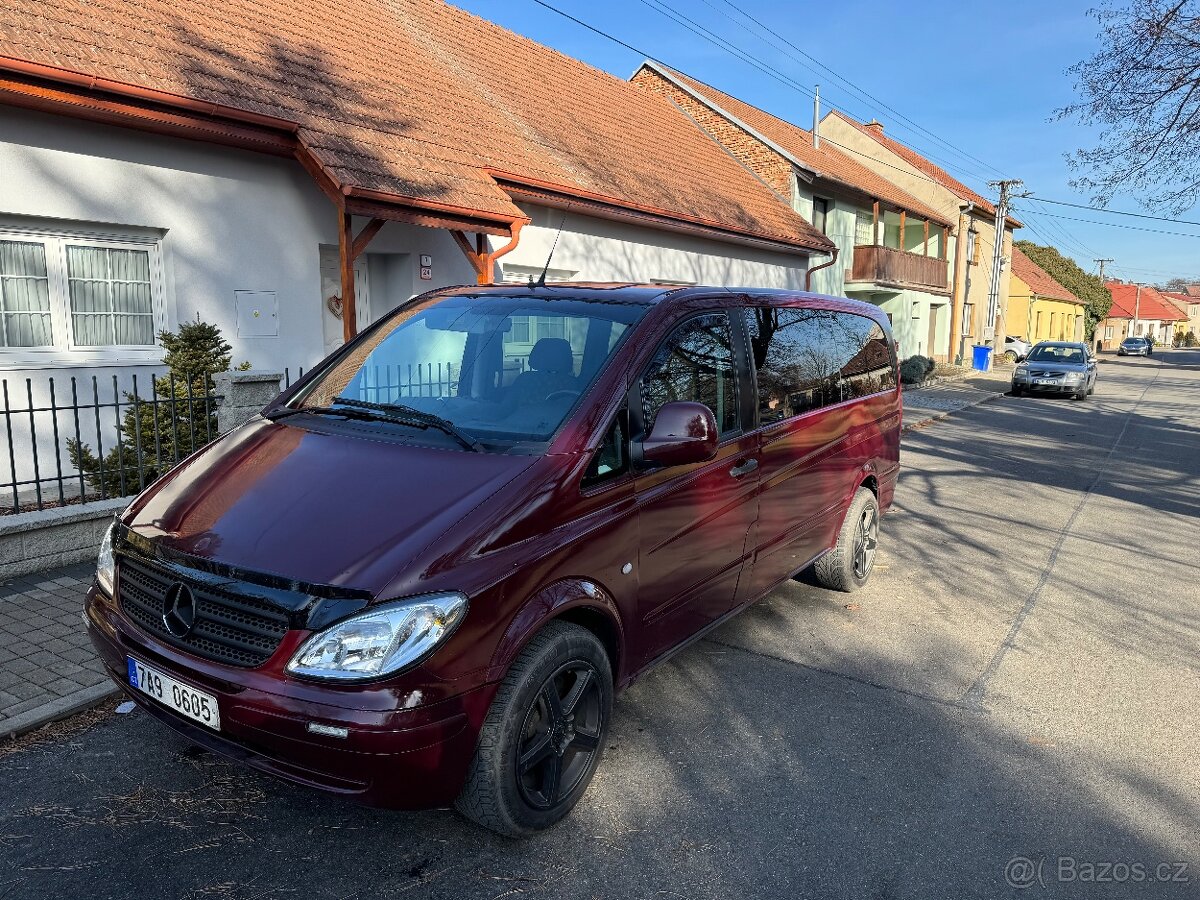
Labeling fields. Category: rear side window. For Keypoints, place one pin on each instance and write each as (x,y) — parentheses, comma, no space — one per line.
(806,359)
(695,363)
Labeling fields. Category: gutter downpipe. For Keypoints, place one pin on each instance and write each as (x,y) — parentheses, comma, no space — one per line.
(959,300)
(813,271)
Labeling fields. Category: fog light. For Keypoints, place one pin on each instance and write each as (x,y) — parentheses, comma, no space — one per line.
(328,730)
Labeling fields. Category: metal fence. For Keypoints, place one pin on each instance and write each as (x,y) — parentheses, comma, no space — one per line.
(128,430)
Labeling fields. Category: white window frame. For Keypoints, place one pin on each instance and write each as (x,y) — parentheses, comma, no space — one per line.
(63,351)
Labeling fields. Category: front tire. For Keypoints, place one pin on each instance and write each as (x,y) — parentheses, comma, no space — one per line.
(848,565)
(542,739)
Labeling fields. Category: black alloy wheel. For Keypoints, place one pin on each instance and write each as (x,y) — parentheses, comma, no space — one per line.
(560,735)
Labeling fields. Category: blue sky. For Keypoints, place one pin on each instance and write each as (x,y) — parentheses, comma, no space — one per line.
(985,78)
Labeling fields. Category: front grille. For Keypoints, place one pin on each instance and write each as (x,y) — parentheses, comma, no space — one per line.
(229,628)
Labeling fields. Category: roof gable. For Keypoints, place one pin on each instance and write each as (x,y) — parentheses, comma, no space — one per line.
(1149,305)
(796,144)
(413,99)
(932,171)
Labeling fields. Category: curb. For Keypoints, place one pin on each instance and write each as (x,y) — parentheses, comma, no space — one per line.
(942,414)
(60,708)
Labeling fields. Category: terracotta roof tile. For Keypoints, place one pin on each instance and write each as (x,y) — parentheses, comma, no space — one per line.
(1150,306)
(1039,280)
(411,97)
(924,166)
(826,161)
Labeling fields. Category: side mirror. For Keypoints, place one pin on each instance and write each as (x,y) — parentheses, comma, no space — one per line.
(683,433)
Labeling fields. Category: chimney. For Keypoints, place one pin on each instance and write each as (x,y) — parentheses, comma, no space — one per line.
(875,125)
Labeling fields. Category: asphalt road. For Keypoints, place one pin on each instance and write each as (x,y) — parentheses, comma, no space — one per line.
(1019,680)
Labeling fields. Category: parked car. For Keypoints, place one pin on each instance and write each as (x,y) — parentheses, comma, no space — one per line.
(1015,349)
(1136,346)
(1057,367)
(424,593)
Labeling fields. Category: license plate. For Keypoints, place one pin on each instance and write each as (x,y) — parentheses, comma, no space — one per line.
(1044,381)
(176,695)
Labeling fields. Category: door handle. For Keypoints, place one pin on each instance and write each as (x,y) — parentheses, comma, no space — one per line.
(744,469)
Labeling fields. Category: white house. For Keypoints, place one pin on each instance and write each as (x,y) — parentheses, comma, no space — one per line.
(253,169)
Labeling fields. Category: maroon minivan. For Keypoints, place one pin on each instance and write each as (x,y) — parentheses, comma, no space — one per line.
(418,577)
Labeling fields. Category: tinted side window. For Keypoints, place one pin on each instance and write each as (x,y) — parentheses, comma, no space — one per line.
(809,358)
(695,363)
(873,368)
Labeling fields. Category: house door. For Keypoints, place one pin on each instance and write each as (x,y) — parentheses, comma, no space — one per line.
(331,286)
(933,351)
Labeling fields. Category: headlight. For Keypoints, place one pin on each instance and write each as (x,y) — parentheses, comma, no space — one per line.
(381,640)
(1073,376)
(105,565)
(1022,370)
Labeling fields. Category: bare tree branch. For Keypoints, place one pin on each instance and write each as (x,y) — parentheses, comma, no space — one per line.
(1143,90)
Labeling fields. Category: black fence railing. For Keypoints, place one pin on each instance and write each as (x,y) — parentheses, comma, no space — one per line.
(74,439)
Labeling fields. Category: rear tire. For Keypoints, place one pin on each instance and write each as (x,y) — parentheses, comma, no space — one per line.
(1010,355)
(542,739)
(848,565)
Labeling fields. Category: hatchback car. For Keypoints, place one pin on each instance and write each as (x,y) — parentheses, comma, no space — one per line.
(1015,349)
(1057,367)
(418,577)
(1135,346)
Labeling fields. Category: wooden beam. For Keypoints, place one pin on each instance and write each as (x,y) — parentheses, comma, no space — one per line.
(472,255)
(944,243)
(903,218)
(926,244)
(364,237)
(875,224)
(346,261)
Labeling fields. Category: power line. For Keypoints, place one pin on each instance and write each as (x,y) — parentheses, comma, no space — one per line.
(863,93)
(1116,225)
(1117,212)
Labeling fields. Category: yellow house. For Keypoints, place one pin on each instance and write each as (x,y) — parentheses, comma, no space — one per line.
(1039,308)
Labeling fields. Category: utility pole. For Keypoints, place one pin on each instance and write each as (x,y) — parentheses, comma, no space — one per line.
(1137,308)
(1102,262)
(1007,187)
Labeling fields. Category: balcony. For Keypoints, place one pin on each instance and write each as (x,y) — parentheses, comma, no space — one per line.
(887,267)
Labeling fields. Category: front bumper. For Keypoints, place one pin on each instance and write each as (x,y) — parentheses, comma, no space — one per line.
(395,755)
(1058,387)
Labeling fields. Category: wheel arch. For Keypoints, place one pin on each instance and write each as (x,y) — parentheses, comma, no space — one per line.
(581,602)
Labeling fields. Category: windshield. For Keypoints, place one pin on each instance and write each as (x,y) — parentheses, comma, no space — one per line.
(497,368)
(1132,341)
(1052,354)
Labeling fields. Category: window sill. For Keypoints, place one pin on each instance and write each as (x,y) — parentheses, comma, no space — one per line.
(20,359)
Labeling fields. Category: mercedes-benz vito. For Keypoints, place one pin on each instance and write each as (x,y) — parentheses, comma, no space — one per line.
(419,575)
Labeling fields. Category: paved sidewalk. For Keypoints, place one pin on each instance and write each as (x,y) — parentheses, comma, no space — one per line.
(927,404)
(47,666)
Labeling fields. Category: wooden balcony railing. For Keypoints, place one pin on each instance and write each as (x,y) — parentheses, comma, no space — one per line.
(884,265)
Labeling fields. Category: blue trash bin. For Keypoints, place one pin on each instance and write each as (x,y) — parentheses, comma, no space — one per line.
(981,359)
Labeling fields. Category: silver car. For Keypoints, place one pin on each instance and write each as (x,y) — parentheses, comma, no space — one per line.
(1056,367)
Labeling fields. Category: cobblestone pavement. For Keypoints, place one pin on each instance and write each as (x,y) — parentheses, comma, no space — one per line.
(925,404)
(47,665)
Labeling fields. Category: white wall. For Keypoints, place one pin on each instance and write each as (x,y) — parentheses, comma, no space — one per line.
(602,250)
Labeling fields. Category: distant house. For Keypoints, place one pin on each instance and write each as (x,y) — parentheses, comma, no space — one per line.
(1146,312)
(974,218)
(1189,306)
(1039,308)
(893,249)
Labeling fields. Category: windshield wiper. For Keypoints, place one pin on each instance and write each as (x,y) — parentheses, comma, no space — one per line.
(409,415)
(384,412)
